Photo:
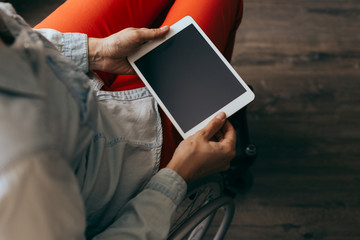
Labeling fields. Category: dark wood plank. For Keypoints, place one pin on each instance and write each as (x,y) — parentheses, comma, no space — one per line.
(302,57)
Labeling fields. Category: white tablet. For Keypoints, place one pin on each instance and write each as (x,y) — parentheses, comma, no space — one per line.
(189,77)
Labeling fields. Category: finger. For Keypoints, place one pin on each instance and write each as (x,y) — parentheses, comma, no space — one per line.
(213,126)
(229,134)
(146,34)
(219,136)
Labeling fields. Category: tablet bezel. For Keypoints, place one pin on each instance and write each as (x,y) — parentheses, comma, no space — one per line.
(229,109)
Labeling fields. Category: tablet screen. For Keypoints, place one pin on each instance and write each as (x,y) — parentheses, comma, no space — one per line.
(189,77)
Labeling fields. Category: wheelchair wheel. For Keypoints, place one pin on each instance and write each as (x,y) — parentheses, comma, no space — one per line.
(197,211)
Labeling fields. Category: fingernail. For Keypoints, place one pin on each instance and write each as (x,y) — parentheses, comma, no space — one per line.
(164,27)
(221,115)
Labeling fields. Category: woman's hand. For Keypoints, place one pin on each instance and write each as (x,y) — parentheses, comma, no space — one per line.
(109,54)
(199,155)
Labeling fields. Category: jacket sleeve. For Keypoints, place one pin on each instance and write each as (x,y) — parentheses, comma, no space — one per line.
(72,45)
(149,215)
(40,199)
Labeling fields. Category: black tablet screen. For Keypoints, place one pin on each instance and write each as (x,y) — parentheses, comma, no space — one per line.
(189,77)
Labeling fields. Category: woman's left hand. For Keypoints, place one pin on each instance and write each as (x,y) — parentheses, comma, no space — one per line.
(109,54)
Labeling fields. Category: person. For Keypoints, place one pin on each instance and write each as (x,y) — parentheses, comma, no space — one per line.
(80,154)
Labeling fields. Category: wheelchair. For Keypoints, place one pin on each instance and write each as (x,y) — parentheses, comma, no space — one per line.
(207,196)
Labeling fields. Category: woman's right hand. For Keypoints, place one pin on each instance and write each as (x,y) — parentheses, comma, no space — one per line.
(199,155)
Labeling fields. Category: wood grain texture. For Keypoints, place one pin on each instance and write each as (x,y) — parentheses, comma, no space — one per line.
(303,59)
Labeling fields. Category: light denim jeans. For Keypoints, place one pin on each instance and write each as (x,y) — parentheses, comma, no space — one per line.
(76,162)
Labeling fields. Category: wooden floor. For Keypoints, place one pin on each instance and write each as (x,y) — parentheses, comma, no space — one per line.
(303,59)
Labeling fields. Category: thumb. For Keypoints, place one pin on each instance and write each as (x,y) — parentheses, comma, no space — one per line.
(147,34)
(213,126)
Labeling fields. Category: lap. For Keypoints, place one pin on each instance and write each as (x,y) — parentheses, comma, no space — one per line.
(218,18)
(100,19)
